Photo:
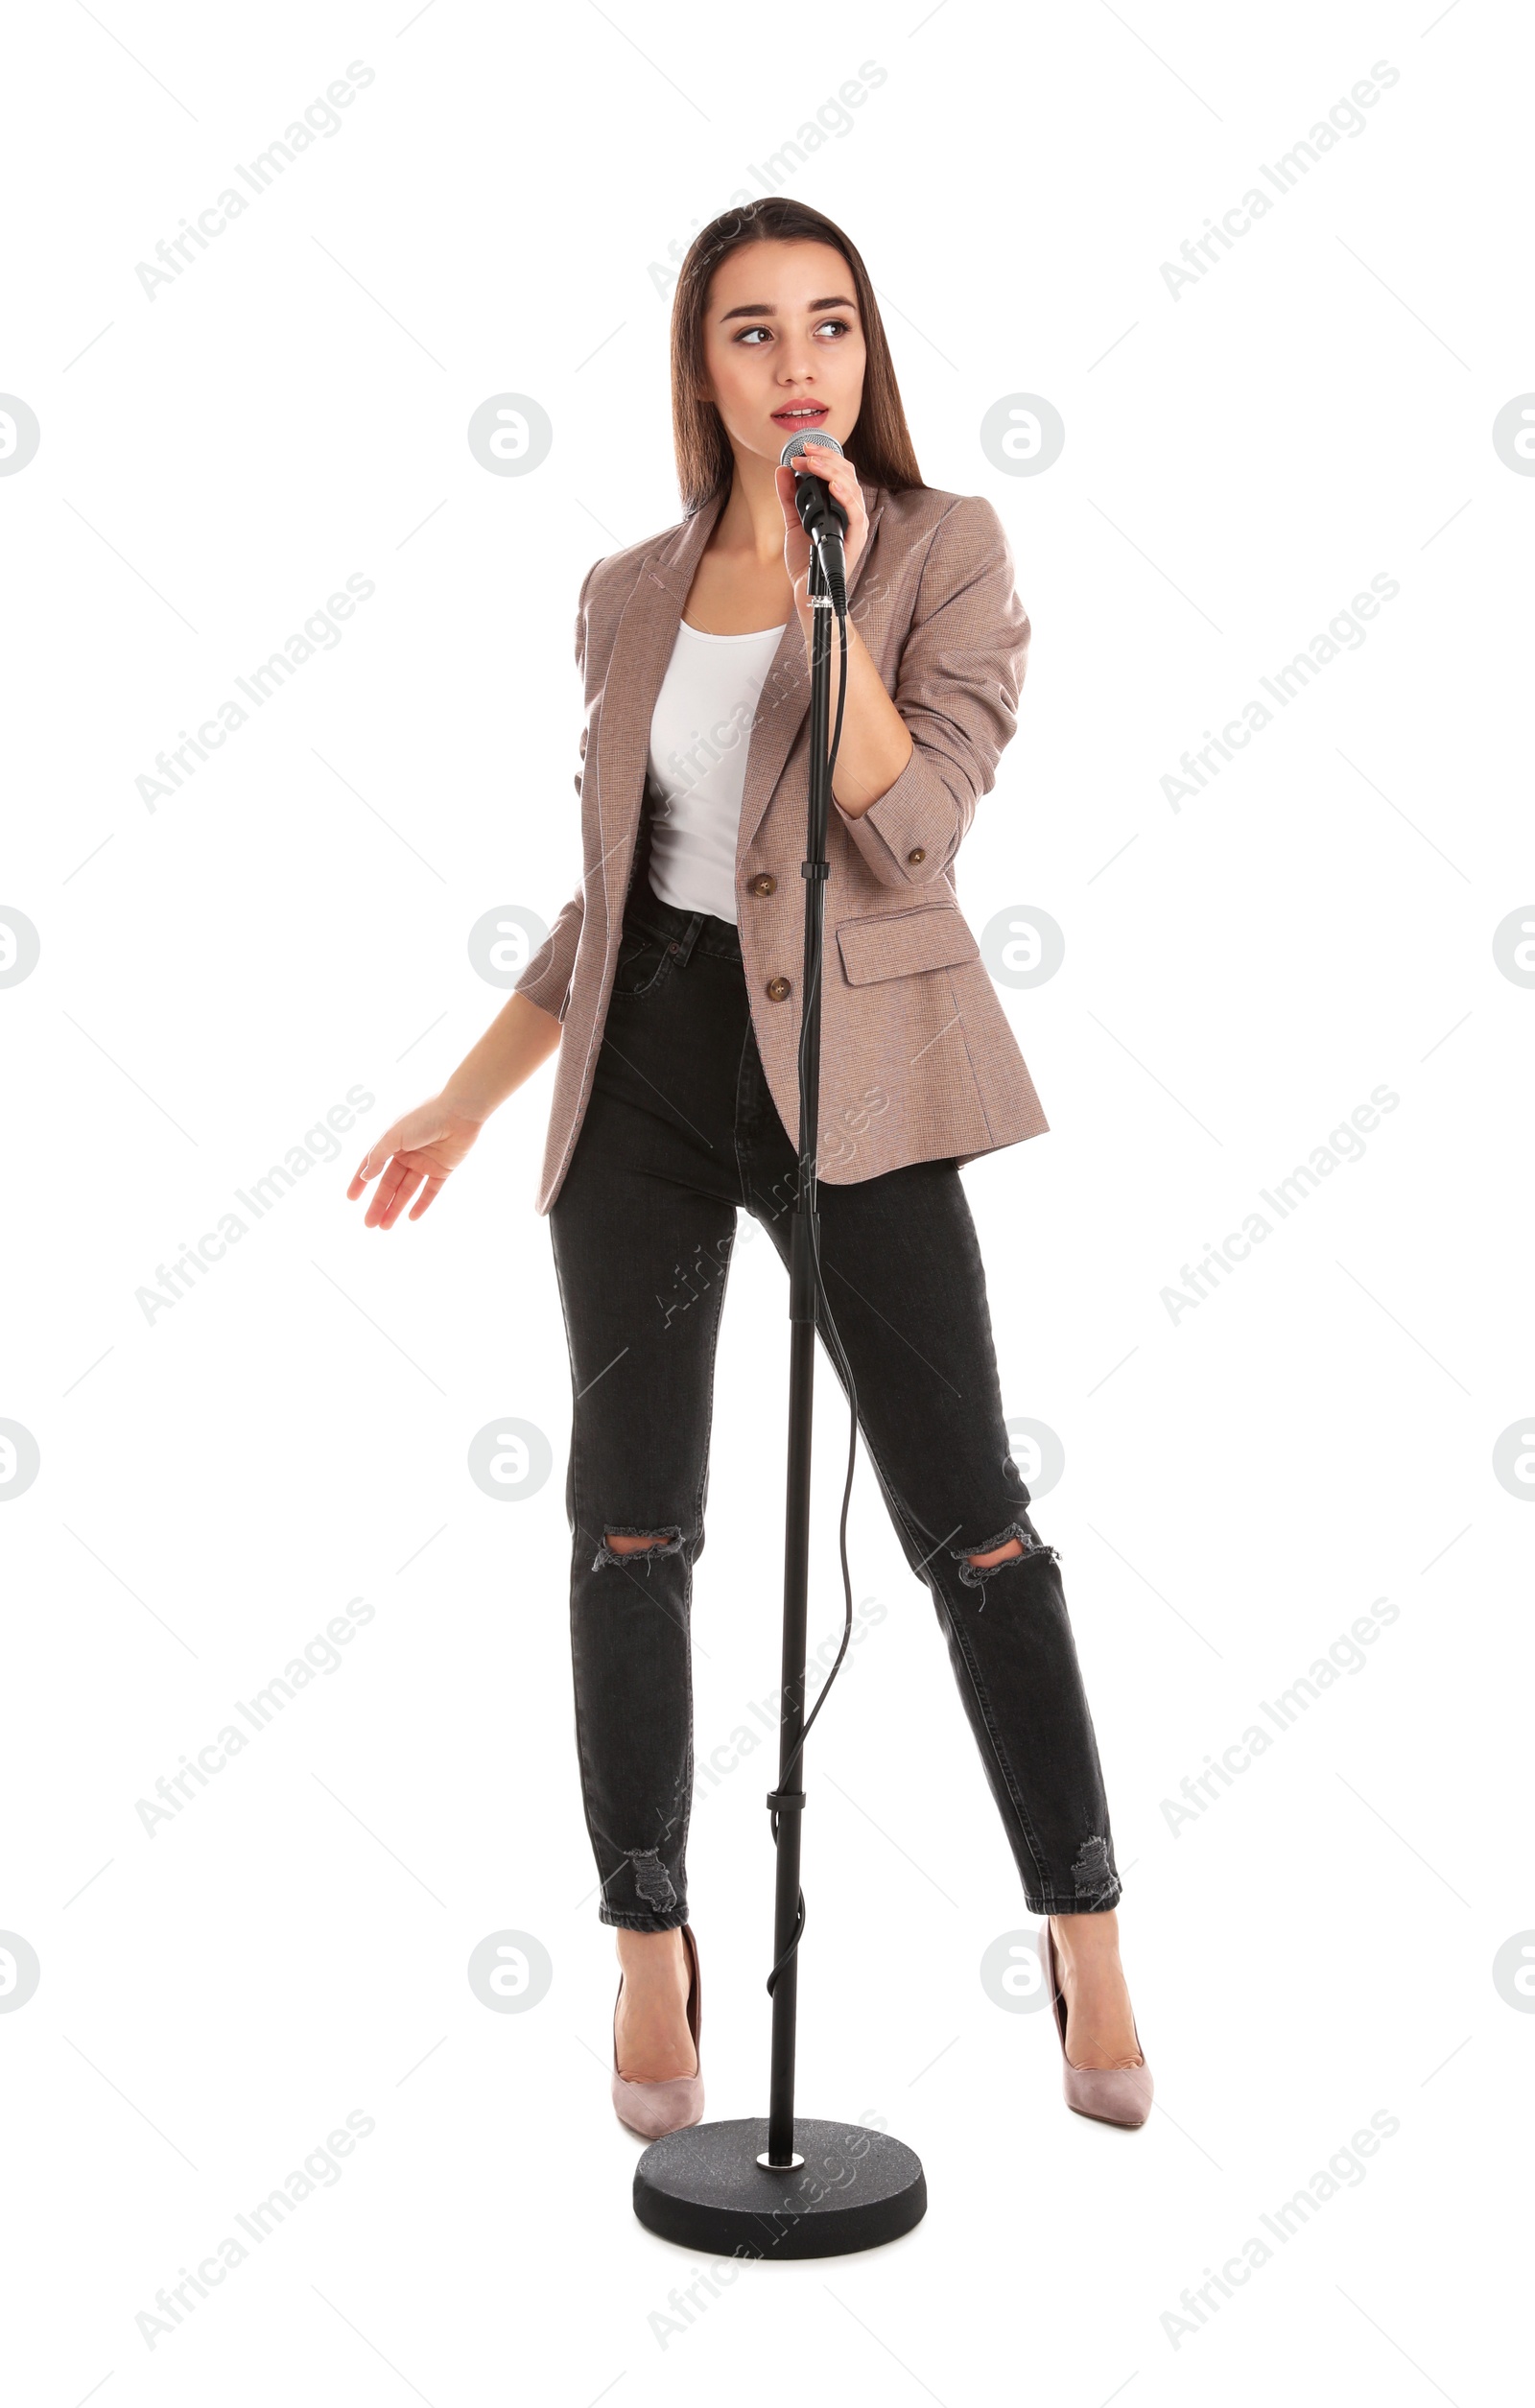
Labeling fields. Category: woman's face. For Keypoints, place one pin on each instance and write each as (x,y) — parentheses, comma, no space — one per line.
(783,345)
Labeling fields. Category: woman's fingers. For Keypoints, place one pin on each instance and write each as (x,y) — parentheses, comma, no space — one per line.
(834,466)
(369,1168)
(395,1189)
(397,1138)
(424,1146)
(382,1195)
(838,474)
(783,478)
(826,468)
(381,1161)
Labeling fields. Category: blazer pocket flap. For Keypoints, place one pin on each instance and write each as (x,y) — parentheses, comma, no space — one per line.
(893,944)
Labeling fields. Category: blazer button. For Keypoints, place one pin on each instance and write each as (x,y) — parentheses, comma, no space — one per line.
(916,854)
(779,989)
(763,885)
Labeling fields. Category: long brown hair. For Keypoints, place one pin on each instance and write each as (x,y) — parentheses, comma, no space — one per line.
(705,462)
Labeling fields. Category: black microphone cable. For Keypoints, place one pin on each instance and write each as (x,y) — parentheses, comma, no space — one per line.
(839,1355)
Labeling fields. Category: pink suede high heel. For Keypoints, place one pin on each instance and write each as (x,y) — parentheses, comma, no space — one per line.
(1111,2094)
(653,2108)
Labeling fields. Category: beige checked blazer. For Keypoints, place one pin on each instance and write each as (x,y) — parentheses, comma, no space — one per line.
(917,1057)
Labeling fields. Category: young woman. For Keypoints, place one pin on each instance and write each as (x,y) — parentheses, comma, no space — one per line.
(671,985)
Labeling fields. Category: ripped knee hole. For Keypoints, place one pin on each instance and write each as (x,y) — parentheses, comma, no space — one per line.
(618,1544)
(1020,1539)
(997,1555)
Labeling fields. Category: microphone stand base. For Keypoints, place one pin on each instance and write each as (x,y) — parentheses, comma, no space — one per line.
(705,2188)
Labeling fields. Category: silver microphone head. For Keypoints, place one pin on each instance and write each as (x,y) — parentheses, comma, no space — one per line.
(797,442)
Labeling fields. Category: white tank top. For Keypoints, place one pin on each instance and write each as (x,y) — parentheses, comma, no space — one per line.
(700,733)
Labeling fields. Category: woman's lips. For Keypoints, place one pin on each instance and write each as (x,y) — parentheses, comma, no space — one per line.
(816,416)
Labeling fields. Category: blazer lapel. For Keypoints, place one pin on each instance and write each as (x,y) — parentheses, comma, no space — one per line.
(642,646)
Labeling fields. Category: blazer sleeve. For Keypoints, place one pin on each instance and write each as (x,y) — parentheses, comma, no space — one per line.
(546,979)
(958,687)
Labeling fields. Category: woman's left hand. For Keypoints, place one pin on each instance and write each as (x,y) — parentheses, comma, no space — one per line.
(839,473)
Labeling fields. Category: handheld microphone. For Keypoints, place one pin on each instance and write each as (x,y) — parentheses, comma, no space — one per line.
(820,514)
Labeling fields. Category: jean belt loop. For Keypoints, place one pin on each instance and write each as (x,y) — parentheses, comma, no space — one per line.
(689,936)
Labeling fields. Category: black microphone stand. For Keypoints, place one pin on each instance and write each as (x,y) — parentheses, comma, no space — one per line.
(745,2188)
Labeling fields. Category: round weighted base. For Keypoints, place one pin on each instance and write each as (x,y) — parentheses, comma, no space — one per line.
(703,2188)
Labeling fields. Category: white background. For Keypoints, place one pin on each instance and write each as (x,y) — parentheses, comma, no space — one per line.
(502,210)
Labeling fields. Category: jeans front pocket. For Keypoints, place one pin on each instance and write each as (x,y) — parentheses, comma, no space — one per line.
(644,960)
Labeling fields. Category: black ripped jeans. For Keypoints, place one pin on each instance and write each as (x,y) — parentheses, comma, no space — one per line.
(680,1133)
